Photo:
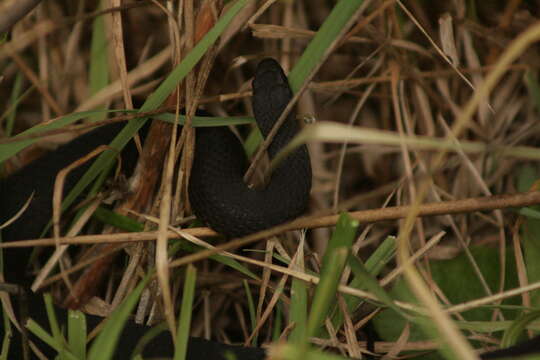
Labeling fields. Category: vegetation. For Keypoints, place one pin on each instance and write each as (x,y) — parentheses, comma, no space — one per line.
(431,106)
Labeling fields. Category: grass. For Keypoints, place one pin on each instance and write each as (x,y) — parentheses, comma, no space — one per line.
(442,111)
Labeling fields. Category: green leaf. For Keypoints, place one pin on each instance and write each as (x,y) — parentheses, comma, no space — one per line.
(192,58)
(379,258)
(251,307)
(343,236)
(277,325)
(371,284)
(320,44)
(119,221)
(252,142)
(531,250)
(10,149)
(527,175)
(512,334)
(534,88)
(184,322)
(99,64)
(77,332)
(375,263)
(333,263)
(298,311)
(459,283)
(53,321)
(530,212)
(326,290)
(206,121)
(48,339)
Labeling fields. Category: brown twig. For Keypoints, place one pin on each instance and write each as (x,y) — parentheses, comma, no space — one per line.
(487,203)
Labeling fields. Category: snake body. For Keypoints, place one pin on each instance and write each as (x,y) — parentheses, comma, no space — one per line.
(217,193)
(219,166)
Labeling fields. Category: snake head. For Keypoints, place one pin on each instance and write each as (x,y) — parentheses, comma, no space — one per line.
(269,74)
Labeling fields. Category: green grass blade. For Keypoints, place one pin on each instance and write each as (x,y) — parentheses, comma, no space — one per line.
(278,321)
(380,257)
(316,51)
(374,264)
(512,334)
(333,263)
(371,284)
(298,309)
(119,221)
(99,65)
(252,312)
(206,121)
(233,264)
(53,321)
(184,322)
(534,88)
(343,236)
(48,339)
(104,345)
(254,139)
(530,213)
(320,44)
(326,291)
(531,250)
(77,333)
(10,149)
(42,334)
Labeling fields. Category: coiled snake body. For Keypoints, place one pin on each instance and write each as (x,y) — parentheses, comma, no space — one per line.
(217,193)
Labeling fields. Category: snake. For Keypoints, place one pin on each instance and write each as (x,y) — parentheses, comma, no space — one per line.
(217,193)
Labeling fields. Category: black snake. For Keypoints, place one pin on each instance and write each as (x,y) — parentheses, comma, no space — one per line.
(217,193)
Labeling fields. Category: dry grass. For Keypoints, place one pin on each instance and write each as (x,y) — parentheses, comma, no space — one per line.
(416,69)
